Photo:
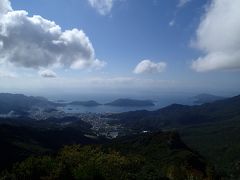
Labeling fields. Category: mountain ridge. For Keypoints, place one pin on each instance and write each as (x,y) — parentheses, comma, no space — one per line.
(177,115)
(206,98)
(130,103)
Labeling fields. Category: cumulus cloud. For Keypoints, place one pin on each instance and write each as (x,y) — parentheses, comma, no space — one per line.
(218,37)
(35,42)
(103,7)
(47,73)
(5,6)
(147,66)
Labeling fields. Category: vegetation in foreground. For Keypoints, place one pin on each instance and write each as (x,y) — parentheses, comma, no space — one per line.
(148,156)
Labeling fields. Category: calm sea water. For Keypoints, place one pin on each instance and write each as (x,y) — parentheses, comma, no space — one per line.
(159,103)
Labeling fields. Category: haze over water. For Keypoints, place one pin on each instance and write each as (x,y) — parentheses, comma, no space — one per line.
(159,102)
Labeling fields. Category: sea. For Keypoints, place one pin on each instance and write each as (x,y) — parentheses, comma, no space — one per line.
(159,102)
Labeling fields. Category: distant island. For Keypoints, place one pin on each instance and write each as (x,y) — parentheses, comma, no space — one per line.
(61,101)
(130,103)
(85,103)
(206,98)
(20,103)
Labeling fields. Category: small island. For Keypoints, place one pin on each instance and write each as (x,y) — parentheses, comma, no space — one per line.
(206,98)
(85,103)
(130,103)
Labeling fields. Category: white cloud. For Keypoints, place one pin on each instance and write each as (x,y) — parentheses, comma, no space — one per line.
(218,37)
(172,23)
(4,74)
(35,42)
(97,64)
(182,3)
(5,6)
(103,7)
(89,83)
(47,73)
(147,66)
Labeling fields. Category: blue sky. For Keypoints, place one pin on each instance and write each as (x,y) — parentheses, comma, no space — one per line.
(150,46)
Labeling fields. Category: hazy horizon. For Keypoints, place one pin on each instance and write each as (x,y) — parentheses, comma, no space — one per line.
(132,89)
(119,47)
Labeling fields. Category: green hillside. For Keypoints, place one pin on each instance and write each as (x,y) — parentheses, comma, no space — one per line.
(212,129)
(219,142)
(176,115)
(147,156)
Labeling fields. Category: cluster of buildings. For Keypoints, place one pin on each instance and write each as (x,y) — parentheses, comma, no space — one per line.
(100,124)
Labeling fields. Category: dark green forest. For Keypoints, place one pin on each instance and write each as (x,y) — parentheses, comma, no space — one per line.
(147,156)
(176,142)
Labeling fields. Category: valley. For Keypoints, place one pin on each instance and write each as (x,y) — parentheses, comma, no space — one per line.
(210,130)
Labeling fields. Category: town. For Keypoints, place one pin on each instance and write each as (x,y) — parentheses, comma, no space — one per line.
(100,122)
